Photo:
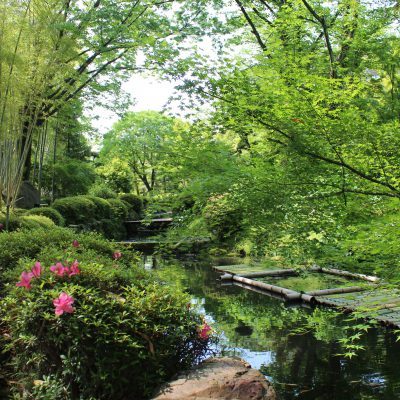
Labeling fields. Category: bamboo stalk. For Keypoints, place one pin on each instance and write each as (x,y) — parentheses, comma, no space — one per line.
(276,272)
(287,293)
(327,292)
(346,274)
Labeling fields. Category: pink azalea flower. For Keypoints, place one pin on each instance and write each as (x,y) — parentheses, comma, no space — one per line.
(117,255)
(59,269)
(37,269)
(73,269)
(75,243)
(25,281)
(63,304)
(204,331)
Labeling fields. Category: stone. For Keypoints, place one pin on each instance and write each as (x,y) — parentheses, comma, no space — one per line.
(28,197)
(223,378)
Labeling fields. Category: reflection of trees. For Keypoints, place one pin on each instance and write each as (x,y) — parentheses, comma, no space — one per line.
(305,366)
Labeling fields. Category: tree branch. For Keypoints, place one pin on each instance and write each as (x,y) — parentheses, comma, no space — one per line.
(253,27)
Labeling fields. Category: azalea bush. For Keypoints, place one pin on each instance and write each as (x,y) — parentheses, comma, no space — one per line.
(88,327)
(29,244)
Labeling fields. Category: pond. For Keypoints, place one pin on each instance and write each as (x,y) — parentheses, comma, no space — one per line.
(261,330)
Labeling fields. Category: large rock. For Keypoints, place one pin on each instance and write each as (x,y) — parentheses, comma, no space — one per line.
(28,197)
(220,379)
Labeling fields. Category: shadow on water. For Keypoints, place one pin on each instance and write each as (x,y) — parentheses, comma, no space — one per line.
(260,329)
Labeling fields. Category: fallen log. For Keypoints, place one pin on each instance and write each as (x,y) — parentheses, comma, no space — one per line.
(346,274)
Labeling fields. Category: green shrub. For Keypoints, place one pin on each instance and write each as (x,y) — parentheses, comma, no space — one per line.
(48,212)
(119,209)
(102,190)
(113,229)
(76,210)
(14,222)
(135,202)
(29,244)
(36,221)
(124,336)
(103,208)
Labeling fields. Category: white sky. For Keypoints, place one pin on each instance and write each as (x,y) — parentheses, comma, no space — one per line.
(149,93)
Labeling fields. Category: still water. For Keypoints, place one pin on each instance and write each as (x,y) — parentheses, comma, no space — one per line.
(262,330)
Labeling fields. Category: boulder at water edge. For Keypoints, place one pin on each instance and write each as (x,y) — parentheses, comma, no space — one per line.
(219,379)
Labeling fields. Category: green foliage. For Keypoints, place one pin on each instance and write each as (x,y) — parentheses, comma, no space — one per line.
(102,207)
(94,213)
(102,190)
(36,221)
(49,212)
(141,141)
(134,202)
(369,244)
(71,177)
(119,209)
(223,218)
(125,336)
(28,244)
(116,174)
(76,209)
(14,221)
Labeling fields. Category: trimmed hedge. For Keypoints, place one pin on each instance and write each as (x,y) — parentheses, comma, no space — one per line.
(119,209)
(103,208)
(76,209)
(103,191)
(135,202)
(36,221)
(48,212)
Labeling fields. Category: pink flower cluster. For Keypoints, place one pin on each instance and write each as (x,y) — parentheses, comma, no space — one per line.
(65,270)
(117,255)
(204,331)
(63,304)
(26,277)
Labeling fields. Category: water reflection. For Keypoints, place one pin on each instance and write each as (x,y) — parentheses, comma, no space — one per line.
(302,366)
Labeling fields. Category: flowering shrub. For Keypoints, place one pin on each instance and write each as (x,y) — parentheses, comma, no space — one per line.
(29,244)
(90,327)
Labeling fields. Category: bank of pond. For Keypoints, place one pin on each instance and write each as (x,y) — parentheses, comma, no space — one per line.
(300,349)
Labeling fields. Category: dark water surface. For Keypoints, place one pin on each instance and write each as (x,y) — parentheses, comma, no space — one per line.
(260,329)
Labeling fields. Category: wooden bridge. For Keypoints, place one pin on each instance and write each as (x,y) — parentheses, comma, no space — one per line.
(147,227)
(356,292)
